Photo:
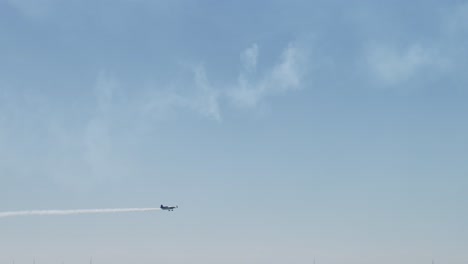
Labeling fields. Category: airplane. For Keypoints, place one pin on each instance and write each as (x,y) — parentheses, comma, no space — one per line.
(168,208)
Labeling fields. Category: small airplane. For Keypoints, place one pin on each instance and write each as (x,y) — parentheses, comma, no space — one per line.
(168,208)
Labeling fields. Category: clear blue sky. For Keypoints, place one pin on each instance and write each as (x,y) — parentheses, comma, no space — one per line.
(284,130)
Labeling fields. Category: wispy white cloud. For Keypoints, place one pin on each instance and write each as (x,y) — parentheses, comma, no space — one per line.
(392,66)
(197,94)
(206,100)
(439,53)
(75,151)
(249,58)
(251,87)
(287,74)
(83,152)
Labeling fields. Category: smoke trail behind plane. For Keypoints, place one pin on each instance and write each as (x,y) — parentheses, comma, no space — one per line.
(74,212)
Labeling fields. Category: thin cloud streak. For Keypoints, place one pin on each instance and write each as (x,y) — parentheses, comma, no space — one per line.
(75,212)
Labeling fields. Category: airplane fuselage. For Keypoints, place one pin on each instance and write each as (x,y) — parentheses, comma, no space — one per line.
(168,208)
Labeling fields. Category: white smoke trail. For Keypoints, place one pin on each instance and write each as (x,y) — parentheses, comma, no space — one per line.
(72,212)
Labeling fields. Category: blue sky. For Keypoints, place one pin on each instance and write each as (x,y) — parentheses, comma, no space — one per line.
(284,130)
